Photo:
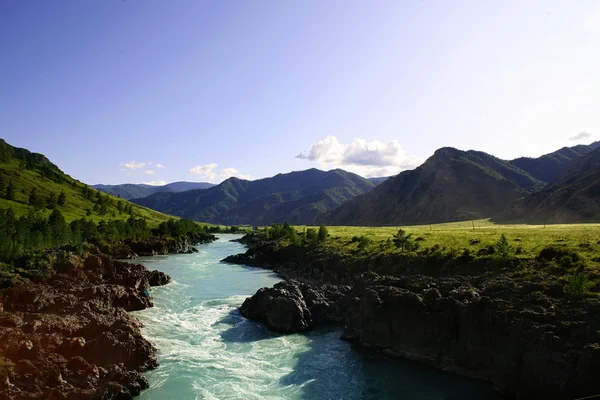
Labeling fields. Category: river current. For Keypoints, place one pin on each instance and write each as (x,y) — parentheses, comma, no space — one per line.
(207,350)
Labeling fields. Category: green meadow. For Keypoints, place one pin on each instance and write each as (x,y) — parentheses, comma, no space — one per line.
(473,236)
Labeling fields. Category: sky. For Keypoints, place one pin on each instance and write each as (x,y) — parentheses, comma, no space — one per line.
(116,91)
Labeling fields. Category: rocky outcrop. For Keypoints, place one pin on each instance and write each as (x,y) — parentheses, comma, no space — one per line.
(65,333)
(132,248)
(526,336)
(518,337)
(290,307)
(527,339)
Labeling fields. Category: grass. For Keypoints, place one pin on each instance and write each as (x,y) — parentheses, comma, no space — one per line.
(528,239)
(568,254)
(76,205)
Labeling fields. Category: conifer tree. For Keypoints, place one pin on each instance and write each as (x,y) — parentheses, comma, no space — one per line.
(10,191)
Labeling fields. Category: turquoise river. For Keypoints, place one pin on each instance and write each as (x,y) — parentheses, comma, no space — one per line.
(207,350)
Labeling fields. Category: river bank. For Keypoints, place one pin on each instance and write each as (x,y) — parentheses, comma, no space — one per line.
(206,349)
(523,333)
(65,326)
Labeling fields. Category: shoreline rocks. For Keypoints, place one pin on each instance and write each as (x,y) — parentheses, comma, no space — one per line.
(527,338)
(65,330)
(291,307)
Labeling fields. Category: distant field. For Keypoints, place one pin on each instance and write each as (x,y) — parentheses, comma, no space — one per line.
(530,239)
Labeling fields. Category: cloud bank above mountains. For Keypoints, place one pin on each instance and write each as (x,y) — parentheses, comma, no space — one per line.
(365,158)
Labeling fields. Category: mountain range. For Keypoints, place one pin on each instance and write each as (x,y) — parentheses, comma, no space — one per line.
(452,185)
(573,197)
(130,191)
(297,197)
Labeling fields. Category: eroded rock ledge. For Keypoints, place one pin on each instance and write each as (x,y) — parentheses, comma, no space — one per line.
(526,337)
(65,332)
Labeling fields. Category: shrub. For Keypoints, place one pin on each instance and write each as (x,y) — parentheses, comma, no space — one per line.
(578,285)
(364,243)
(504,250)
(404,241)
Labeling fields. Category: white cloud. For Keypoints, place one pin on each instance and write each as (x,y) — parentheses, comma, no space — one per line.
(580,136)
(365,158)
(227,173)
(159,166)
(210,173)
(205,171)
(134,165)
(154,183)
(149,172)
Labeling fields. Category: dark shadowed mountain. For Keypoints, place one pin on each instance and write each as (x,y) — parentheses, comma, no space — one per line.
(297,197)
(130,191)
(379,180)
(451,185)
(549,167)
(573,197)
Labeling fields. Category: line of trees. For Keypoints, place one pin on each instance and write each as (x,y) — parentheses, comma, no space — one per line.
(307,236)
(20,236)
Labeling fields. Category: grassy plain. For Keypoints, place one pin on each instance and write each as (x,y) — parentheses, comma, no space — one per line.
(528,240)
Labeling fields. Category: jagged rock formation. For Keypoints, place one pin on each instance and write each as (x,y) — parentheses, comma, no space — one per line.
(65,331)
(290,306)
(527,337)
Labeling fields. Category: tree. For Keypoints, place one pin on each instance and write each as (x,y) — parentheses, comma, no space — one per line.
(59,228)
(311,235)
(34,200)
(62,198)
(2,186)
(51,201)
(295,238)
(503,249)
(103,208)
(322,235)
(403,241)
(10,191)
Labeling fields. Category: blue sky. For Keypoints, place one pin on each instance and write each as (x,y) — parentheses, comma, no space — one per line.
(120,91)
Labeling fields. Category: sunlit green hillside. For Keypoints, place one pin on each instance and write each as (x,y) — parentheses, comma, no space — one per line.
(29,181)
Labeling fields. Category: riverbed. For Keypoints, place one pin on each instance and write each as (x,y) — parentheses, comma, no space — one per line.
(207,350)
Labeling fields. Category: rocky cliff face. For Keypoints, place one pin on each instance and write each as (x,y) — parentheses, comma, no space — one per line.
(290,306)
(526,337)
(65,332)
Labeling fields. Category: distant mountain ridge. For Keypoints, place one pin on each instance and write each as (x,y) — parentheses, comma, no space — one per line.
(130,191)
(573,197)
(550,166)
(297,197)
(380,179)
(451,185)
